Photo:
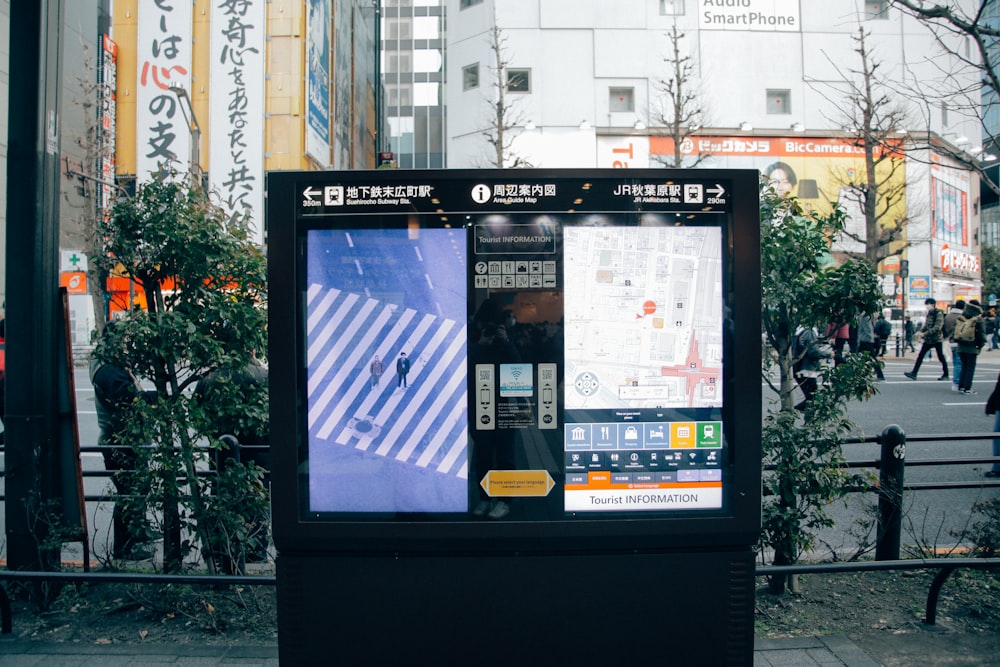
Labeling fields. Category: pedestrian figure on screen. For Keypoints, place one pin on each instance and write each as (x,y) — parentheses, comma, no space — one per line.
(376,369)
(402,369)
(932,339)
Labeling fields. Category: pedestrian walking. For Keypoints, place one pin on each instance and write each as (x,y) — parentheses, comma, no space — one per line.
(991,328)
(883,331)
(840,334)
(993,408)
(948,333)
(970,335)
(868,341)
(908,331)
(931,331)
(807,356)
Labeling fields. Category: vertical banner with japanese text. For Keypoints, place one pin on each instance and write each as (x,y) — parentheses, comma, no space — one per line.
(318,82)
(107,120)
(236,108)
(163,139)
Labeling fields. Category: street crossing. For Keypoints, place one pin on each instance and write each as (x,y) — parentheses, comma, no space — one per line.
(413,424)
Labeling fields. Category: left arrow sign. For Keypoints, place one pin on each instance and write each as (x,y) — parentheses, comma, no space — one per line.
(310,193)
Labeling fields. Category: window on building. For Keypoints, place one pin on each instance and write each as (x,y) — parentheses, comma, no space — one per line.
(518,80)
(621,99)
(465,4)
(398,62)
(470,76)
(399,95)
(426,27)
(779,101)
(398,29)
(878,10)
(426,94)
(672,7)
(427,60)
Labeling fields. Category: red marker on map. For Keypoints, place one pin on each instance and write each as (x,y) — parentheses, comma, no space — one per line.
(648,308)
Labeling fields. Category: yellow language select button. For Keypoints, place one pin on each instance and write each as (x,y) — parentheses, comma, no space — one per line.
(517,483)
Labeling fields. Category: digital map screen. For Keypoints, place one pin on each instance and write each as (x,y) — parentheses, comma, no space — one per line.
(463,354)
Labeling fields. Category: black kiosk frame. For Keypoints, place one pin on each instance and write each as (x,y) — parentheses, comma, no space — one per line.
(515,415)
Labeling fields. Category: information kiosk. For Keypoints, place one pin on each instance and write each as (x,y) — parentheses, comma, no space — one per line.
(515,415)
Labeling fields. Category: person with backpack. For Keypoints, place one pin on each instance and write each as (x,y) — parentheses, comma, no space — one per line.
(806,357)
(970,337)
(932,339)
(868,341)
(948,333)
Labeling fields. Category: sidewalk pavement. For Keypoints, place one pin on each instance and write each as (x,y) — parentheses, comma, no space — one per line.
(836,650)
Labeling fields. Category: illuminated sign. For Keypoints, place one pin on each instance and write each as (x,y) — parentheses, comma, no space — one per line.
(957,260)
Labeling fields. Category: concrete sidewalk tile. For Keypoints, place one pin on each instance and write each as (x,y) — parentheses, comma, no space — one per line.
(849,652)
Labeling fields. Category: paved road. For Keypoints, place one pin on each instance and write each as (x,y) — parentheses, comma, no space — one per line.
(925,406)
(922,407)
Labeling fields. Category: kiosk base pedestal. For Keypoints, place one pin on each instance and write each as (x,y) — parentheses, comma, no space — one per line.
(678,608)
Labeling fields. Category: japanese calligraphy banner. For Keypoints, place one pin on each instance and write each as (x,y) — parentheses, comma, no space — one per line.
(236,108)
(163,60)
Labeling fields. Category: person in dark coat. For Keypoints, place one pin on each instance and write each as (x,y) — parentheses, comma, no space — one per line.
(115,393)
(993,408)
(932,330)
(243,444)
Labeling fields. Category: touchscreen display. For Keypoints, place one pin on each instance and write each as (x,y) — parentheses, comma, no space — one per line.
(552,349)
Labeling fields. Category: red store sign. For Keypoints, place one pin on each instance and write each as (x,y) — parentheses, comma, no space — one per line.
(956,260)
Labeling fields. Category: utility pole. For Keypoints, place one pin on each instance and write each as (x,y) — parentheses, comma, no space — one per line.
(33,304)
(187,110)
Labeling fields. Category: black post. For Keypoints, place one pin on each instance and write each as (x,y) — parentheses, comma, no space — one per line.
(378,80)
(890,494)
(33,305)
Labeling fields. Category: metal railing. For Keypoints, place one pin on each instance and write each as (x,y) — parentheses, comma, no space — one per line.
(890,489)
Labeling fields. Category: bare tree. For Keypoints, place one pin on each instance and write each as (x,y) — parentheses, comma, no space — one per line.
(868,109)
(682,109)
(972,42)
(504,117)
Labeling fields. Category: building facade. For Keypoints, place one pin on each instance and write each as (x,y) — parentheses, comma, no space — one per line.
(83,23)
(413,75)
(271,84)
(589,82)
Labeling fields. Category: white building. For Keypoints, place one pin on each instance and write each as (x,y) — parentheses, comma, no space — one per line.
(584,83)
